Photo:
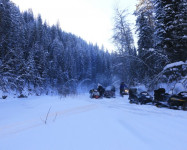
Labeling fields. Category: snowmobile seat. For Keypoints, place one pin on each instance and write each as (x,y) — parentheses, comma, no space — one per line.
(161,98)
(109,92)
(159,94)
(133,93)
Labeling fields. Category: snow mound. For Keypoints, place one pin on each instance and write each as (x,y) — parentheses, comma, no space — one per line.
(174,64)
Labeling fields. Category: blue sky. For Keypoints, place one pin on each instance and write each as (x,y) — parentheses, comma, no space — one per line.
(92,20)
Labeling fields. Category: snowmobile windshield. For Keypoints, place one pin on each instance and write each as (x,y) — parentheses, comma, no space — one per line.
(183,94)
(144,93)
(139,90)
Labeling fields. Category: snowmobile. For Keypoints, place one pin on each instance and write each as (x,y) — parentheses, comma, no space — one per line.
(138,96)
(145,98)
(178,100)
(109,92)
(94,94)
(125,92)
(133,96)
(161,98)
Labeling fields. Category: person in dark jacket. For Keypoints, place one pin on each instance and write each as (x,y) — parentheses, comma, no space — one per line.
(101,90)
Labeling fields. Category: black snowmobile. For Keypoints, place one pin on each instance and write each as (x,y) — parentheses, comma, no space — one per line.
(109,92)
(161,98)
(179,100)
(133,96)
(138,96)
(94,94)
(124,90)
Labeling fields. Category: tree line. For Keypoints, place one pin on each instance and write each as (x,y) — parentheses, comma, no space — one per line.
(37,57)
(161,27)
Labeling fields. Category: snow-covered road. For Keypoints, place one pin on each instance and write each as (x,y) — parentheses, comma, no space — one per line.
(81,123)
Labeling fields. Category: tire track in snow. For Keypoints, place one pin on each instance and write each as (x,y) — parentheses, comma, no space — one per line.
(133,131)
(32,123)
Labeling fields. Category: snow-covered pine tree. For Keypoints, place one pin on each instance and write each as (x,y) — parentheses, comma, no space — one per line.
(145,30)
(181,27)
(145,27)
(37,56)
(170,28)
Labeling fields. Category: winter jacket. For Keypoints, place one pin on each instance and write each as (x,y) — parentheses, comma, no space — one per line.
(101,90)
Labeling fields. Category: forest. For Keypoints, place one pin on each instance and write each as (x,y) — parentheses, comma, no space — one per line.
(38,58)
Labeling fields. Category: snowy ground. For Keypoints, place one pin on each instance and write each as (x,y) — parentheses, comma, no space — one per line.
(81,123)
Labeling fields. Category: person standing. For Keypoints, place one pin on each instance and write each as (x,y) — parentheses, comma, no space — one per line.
(101,90)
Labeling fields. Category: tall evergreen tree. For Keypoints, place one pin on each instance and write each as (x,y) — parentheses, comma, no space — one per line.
(145,26)
(171,27)
(145,30)
(36,56)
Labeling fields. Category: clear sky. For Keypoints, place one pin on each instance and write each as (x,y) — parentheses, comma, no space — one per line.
(92,20)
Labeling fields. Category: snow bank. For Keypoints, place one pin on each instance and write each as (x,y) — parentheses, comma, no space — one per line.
(173,88)
(178,87)
(174,64)
(141,88)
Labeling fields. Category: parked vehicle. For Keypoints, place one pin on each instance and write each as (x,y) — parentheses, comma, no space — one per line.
(124,90)
(179,100)
(161,98)
(145,98)
(94,94)
(175,101)
(139,97)
(133,96)
(110,92)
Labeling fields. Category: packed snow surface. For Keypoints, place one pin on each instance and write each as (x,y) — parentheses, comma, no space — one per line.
(81,123)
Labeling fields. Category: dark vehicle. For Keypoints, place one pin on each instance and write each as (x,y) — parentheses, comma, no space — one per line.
(94,94)
(110,92)
(138,96)
(133,96)
(178,100)
(124,90)
(145,98)
(161,98)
